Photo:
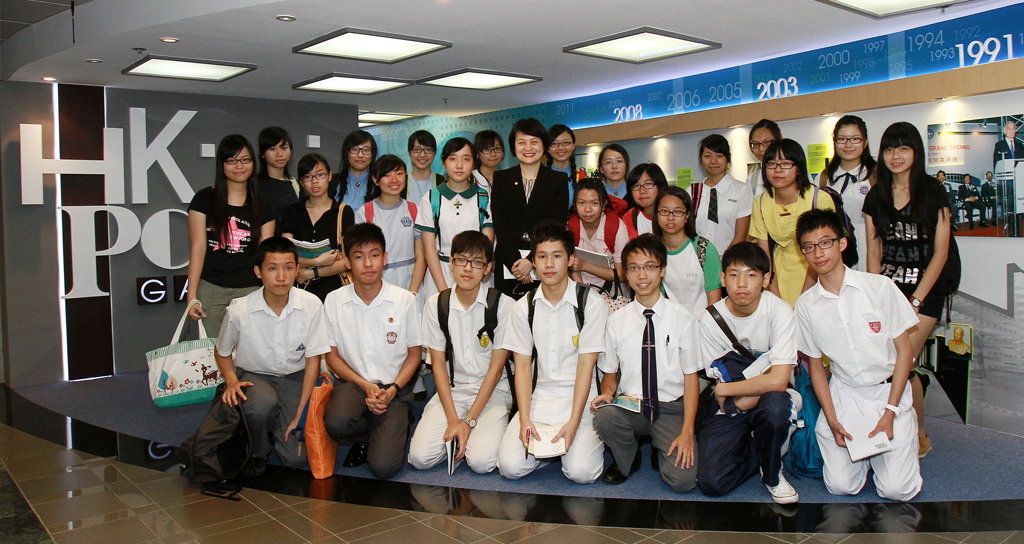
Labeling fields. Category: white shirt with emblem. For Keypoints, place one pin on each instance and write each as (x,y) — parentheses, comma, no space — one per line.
(855,329)
(770,329)
(374,339)
(267,343)
(400,236)
(734,202)
(853,196)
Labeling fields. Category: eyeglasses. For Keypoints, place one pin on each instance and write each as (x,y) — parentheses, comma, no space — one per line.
(763,144)
(319,176)
(461,262)
(649,267)
(678,212)
(562,144)
(613,162)
(422,150)
(492,150)
(646,186)
(361,151)
(241,160)
(779,165)
(855,140)
(827,243)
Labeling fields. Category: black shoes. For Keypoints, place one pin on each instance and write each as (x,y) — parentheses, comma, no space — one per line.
(612,475)
(356,455)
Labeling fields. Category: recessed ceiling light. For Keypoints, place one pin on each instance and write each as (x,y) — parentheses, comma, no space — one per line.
(887,8)
(286,18)
(94,61)
(384,117)
(351,43)
(49,79)
(364,125)
(178,68)
(641,45)
(483,80)
(169,39)
(346,83)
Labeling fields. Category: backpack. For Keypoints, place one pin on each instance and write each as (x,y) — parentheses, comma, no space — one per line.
(804,457)
(444,299)
(582,291)
(368,211)
(435,207)
(611,229)
(221,447)
(850,257)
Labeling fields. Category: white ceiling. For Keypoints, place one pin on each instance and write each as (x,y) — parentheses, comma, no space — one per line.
(521,36)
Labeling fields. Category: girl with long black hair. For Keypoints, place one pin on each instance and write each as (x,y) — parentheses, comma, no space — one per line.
(851,174)
(275,156)
(351,184)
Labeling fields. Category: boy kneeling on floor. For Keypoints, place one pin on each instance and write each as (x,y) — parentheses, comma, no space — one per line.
(268,352)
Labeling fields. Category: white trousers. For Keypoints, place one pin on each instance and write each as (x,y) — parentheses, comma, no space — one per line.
(897,473)
(427,448)
(582,463)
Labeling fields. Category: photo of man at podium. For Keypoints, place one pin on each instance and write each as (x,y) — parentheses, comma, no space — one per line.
(1008,164)
(1008,147)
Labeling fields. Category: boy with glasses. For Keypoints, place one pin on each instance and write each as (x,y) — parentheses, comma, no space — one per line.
(422,147)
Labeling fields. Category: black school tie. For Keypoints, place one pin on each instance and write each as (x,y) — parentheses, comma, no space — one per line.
(649,370)
(713,206)
(847,179)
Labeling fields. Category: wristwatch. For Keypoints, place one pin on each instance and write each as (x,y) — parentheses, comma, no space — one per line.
(471,421)
(915,302)
(387,385)
(893,408)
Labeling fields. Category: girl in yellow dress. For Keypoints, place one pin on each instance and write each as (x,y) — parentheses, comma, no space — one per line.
(787,194)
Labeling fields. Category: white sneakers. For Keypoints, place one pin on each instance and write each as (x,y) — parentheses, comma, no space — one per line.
(783,493)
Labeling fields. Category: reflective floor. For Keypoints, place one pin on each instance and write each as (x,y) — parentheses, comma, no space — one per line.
(115,488)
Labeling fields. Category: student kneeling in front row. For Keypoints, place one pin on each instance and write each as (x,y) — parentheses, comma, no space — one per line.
(862,323)
(268,352)
(473,398)
(652,342)
(565,343)
(374,331)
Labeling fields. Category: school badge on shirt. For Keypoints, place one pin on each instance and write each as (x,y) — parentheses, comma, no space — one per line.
(406,221)
(576,341)
(485,340)
(875,326)
(392,337)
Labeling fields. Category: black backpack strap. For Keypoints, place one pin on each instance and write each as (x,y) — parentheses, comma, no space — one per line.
(736,345)
(582,290)
(529,319)
(490,314)
(444,302)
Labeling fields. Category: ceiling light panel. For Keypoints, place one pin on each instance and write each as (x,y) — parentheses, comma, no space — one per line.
(195,69)
(351,43)
(384,117)
(364,125)
(887,8)
(481,80)
(641,45)
(347,83)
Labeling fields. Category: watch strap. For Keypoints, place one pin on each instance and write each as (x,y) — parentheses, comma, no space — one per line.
(893,408)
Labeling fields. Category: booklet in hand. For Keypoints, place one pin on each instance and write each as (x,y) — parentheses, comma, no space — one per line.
(541,446)
(625,402)
(452,449)
(862,447)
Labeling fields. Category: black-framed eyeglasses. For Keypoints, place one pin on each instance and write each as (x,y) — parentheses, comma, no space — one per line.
(678,212)
(361,151)
(779,165)
(562,145)
(492,150)
(241,160)
(461,262)
(318,176)
(826,243)
(647,186)
(763,144)
(422,150)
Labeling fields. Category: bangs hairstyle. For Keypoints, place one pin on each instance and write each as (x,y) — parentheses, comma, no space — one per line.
(275,244)
(768,124)
(612,147)
(363,234)
(788,150)
(746,254)
(354,139)
(690,227)
(487,138)
(456,144)
(815,219)
(925,191)
(716,143)
(308,163)
(422,137)
(551,231)
(646,243)
(866,160)
(653,170)
(555,132)
(229,146)
(592,184)
(269,137)
(473,242)
(529,127)
(384,166)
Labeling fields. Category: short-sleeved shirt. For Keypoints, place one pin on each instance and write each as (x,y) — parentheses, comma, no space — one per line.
(855,329)
(597,244)
(734,201)
(686,281)
(755,181)
(471,357)
(400,236)
(554,326)
(621,191)
(355,192)
(770,329)
(676,350)
(459,212)
(907,243)
(230,259)
(273,344)
(374,339)
(416,188)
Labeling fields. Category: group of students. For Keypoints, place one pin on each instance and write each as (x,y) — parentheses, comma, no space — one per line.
(541,342)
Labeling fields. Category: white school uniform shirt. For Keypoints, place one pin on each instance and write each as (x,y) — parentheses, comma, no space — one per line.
(419,187)
(734,202)
(855,329)
(554,327)
(755,182)
(676,350)
(770,329)
(644,224)
(686,282)
(481,180)
(273,344)
(853,204)
(400,235)
(470,359)
(374,339)
(459,212)
(597,245)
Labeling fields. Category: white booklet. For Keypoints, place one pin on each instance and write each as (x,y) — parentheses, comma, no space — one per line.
(592,257)
(451,449)
(507,274)
(862,447)
(541,446)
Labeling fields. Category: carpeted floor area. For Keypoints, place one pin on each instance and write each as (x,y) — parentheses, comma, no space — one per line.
(968,463)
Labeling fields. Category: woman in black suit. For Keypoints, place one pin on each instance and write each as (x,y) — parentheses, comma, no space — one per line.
(521,197)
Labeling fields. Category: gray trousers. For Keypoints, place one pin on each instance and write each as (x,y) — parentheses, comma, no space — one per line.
(269,407)
(620,429)
(347,416)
